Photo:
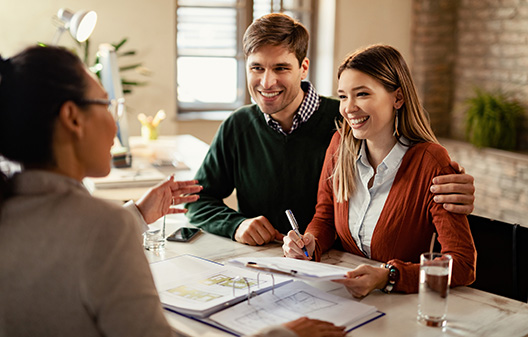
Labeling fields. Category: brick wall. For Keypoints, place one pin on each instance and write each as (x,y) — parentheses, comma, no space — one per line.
(434,53)
(460,44)
(501,180)
(492,53)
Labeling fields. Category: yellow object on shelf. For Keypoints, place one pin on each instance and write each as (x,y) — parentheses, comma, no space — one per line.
(149,125)
(149,132)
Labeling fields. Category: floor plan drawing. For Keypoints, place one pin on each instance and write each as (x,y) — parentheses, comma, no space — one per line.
(304,303)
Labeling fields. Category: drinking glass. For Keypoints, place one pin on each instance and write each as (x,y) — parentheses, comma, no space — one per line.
(154,239)
(435,279)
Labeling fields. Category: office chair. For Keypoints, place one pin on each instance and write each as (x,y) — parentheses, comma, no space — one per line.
(499,256)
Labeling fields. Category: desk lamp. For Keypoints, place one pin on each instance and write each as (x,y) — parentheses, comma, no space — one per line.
(80,24)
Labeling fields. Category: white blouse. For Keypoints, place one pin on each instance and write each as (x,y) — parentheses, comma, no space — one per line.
(365,205)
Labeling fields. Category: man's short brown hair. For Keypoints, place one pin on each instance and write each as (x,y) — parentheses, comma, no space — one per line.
(277,29)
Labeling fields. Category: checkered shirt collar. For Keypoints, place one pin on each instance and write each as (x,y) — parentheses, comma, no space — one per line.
(309,105)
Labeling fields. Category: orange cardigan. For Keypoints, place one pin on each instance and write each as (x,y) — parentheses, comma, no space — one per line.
(407,221)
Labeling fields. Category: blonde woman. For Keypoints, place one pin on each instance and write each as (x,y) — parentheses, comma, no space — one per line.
(374,192)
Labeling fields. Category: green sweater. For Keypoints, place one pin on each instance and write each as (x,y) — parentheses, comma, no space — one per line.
(271,172)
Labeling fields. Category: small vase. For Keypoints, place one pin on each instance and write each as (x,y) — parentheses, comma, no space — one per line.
(149,132)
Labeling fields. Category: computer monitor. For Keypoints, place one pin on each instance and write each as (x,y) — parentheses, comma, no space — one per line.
(111,81)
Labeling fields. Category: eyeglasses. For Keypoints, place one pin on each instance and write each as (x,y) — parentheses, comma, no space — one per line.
(115,106)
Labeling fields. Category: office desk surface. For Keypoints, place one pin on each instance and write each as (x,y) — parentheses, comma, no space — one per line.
(188,148)
(471,312)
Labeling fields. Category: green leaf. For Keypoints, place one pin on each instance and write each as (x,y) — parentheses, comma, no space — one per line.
(130,67)
(127,53)
(133,83)
(120,44)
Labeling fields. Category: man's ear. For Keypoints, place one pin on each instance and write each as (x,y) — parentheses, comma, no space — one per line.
(71,119)
(304,68)
(399,100)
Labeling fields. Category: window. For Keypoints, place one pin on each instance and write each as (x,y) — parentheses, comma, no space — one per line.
(210,61)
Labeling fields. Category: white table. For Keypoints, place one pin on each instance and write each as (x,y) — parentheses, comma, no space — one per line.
(189,148)
(471,312)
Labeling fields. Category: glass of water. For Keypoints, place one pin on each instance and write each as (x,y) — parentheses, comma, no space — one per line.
(435,279)
(154,239)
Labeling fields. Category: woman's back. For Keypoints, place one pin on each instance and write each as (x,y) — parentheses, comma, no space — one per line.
(72,265)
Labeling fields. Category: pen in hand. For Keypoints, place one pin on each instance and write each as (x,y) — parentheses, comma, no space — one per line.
(295,228)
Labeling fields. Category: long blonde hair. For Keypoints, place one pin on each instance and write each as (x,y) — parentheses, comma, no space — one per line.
(385,64)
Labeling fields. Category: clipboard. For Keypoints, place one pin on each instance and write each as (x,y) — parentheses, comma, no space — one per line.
(256,266)
(290,302)
(301,269)
(261,286)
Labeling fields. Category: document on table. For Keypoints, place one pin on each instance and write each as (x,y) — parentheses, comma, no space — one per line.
(197,287)
(292,301)
(128,177)
(308,270)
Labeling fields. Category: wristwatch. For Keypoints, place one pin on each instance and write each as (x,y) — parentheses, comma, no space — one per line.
(394,275)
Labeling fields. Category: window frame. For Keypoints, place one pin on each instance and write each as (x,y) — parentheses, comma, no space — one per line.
(244,17)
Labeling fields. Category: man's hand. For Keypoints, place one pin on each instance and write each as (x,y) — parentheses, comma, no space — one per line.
(455,191)
(306,327)
(256,231)
(158,200)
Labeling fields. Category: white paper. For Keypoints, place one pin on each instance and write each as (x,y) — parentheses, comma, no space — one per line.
(289,302)
(308,270)
(199,287)
(129,177)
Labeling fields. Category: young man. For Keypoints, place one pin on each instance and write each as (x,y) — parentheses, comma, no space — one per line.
(272,152)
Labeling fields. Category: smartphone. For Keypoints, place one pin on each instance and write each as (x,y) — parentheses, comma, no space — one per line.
(184,234)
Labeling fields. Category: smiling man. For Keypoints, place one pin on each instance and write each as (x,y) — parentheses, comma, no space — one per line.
(272,152)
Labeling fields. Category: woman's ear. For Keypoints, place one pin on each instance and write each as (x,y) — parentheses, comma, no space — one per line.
(399,100)
(71,118)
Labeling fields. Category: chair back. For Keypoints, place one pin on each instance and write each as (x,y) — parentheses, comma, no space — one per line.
(502,257)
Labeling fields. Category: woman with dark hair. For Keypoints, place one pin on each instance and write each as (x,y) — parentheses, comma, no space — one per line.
(374,190)
(71,264)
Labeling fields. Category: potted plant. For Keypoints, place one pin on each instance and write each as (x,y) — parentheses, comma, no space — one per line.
(492,120)
(138,67)
(84,50)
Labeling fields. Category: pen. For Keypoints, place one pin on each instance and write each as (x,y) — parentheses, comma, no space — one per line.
(270,270)
(163,233)
(295,227)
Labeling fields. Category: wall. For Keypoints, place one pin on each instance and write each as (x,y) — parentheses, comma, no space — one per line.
(462,44)
(434,54)
(492,53)
(149,26)
(501,180)
(360,23)
(492,44)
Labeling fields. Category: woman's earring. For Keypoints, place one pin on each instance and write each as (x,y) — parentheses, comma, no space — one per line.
(396,125)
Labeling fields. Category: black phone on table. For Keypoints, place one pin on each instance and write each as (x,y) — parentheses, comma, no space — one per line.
(184,234)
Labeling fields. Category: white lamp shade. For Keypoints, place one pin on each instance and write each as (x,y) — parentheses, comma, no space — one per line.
(81,24)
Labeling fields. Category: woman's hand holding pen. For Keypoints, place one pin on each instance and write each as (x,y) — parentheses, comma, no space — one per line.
(292,245)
